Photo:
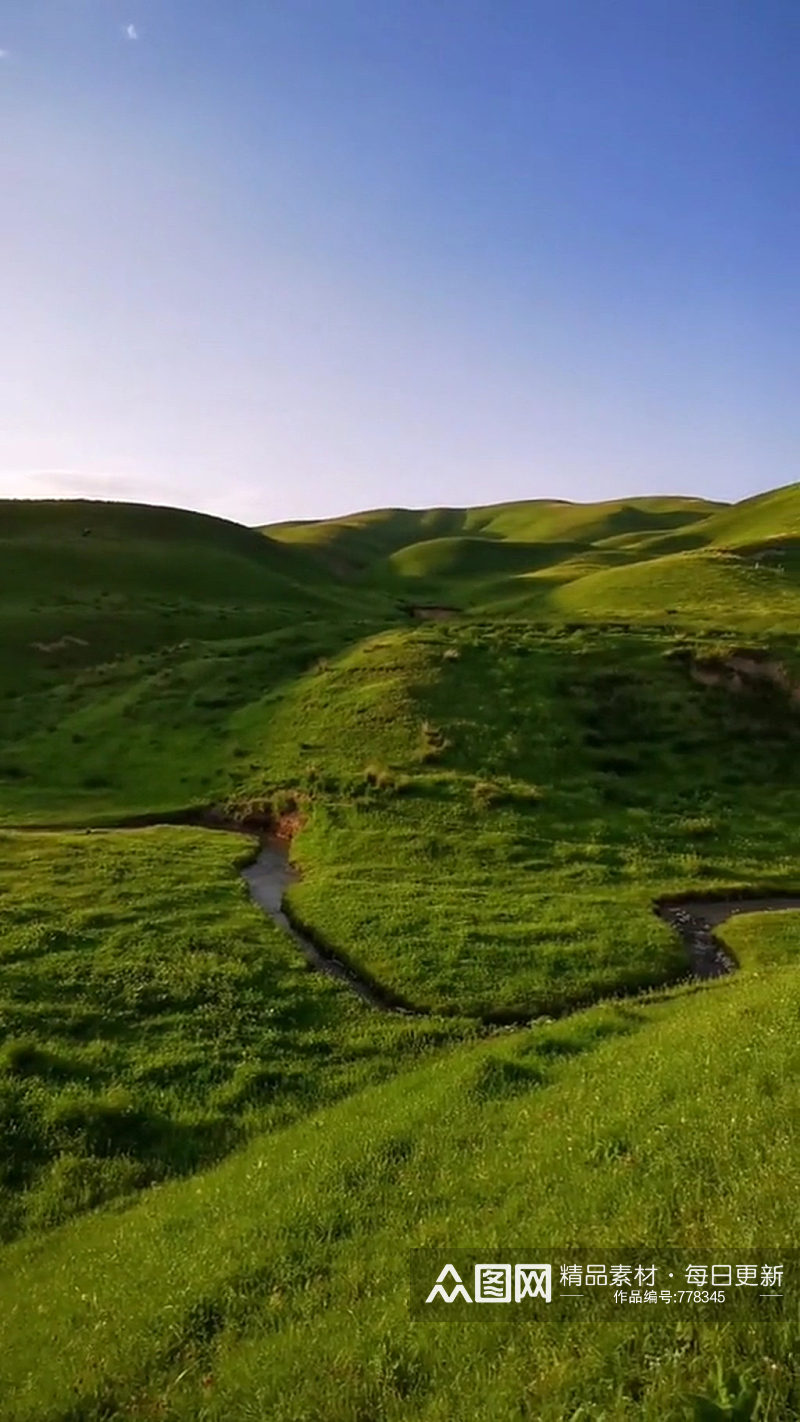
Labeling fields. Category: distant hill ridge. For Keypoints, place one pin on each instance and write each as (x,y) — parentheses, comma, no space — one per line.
(654,556)
(106,572)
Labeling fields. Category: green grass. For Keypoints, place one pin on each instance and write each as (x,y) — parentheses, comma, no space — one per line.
(158,731)
(153,1018)
(764,940)
(453,765)
(85,583)
(716,588)
(276,1285)
(536,788)
(213,1162)
(383,531)
(762,519)
(648,559)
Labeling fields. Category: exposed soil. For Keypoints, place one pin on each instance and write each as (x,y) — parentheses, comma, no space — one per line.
(743,670)
(286,826)
(433,612)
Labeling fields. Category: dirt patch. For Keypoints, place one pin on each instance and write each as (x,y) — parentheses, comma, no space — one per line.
(287,825)
(268,824)
(60,645)
(744,670)
(430,612)
(750,671)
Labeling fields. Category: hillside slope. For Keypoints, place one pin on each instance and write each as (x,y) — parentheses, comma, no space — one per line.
(740,563)
(766,518)
(379,532)
(84,581)
(276,1285)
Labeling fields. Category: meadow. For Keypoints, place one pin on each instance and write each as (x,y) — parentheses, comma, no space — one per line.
(215,1161)
(153,1018)
(276,1284)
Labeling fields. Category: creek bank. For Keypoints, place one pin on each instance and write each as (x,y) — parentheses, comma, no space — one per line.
(268,878)
(693,919)
(270,874)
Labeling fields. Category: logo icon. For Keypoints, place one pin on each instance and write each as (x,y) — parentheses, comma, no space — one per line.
(438,1288)
(493,1284)
(532,1281)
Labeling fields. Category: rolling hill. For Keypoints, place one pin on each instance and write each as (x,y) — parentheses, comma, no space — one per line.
(84,581)
(213,1161)
(642,559)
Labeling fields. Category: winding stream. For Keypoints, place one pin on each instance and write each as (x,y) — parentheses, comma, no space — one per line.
(268,878)
(271,874)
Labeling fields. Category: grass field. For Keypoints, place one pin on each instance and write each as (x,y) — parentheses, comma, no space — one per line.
(276,1284)
(153,1018)
(213,1161)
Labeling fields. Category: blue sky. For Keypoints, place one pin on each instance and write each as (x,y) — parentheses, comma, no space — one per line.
(290,258)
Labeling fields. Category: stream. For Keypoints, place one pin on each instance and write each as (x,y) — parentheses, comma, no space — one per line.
(694,920)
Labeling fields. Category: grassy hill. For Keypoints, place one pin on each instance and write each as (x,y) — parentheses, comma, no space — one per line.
(86,581)
(214,1162)
(767,518)
(649,559)
(382,531)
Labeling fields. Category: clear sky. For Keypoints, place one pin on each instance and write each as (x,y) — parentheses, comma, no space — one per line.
(289,258)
